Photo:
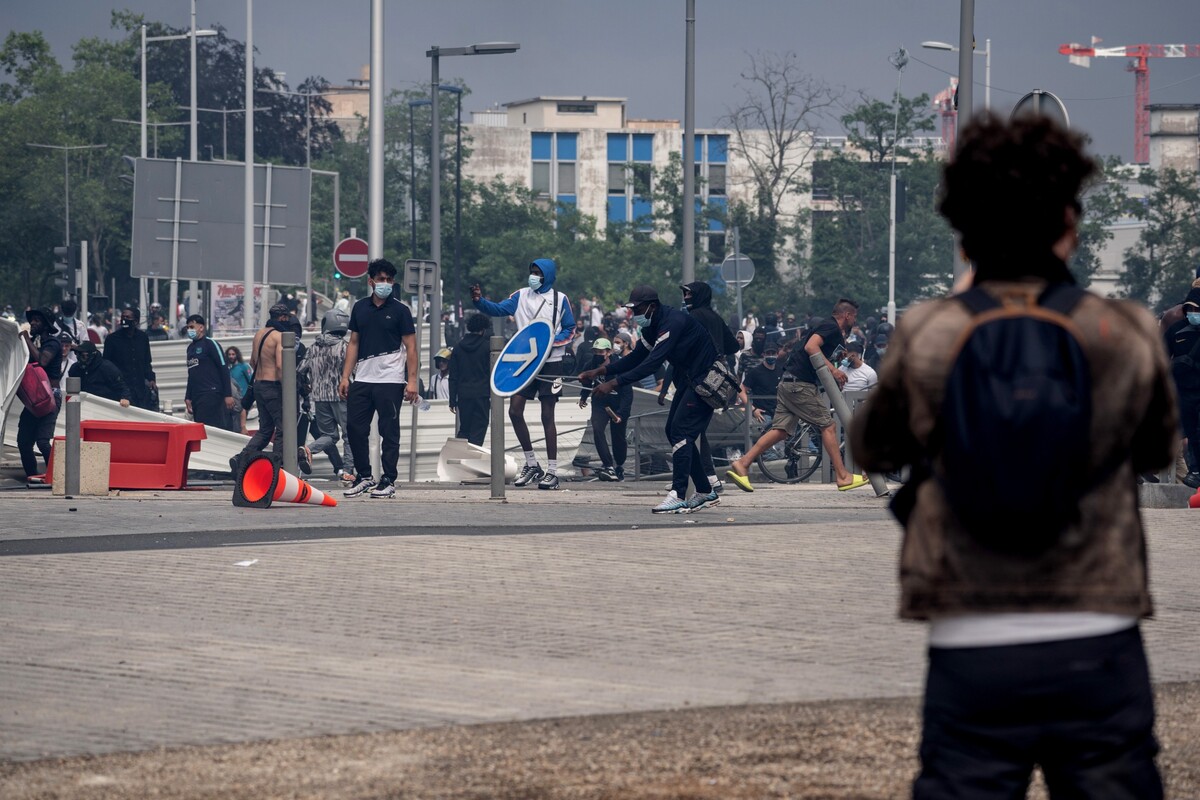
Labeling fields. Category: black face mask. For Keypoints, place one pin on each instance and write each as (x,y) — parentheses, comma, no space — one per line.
(126,323)
(597,360)
(757,346)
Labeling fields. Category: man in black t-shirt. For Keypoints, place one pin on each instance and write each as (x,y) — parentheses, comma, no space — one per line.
(382,355)
(761,383)
(798,398)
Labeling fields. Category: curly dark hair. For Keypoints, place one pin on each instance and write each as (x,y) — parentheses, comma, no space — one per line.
(1008,188)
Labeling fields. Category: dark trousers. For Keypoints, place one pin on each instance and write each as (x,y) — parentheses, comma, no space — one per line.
(38,431)
(1189,416)
(1082,709)
(600,421)
(686,421)
(210,410)
(474,413)
(268,396)
(365,401)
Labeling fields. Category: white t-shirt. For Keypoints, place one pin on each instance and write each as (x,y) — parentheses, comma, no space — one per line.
(860,379)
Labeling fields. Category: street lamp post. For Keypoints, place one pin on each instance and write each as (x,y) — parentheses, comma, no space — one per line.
(435,192)
(987,65)
(899,61)
(412,177)
(192,34)
(66,150)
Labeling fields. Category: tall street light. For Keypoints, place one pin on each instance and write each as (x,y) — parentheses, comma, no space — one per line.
(899,60)
(435,193)
(146,40)
(66,151)
(412,177)
(224,112)
(987,65)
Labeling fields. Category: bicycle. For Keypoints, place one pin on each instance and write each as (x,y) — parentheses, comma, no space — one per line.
(796,457)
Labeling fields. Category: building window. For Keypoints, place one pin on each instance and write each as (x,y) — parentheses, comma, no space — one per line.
(577,108)
(552,172)
(710,165)
(630,179)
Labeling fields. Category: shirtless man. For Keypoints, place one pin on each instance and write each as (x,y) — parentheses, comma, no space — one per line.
(267,362)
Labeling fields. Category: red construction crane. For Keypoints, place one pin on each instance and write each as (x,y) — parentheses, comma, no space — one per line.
(1140,67)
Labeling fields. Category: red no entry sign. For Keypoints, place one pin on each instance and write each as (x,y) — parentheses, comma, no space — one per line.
(350,257)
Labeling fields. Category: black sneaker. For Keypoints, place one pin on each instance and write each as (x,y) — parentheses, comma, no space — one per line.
(304,460)
(607,474)
(359,486)
(529,474)
(385,489)
(620,471)
(1192,480)
(548,481)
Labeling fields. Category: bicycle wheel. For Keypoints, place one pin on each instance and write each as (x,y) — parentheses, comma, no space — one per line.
(795,458)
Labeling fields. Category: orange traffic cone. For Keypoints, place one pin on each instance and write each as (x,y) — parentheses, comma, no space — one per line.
(1194,500)
(260,481)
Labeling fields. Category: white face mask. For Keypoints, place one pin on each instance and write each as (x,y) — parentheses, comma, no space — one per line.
(535,282)
(383,290)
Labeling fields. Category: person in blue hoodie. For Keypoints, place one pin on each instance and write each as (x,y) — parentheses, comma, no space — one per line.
(540,300)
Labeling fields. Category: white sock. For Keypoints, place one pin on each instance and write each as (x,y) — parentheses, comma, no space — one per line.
(552,466)
(530,458)
(713,480)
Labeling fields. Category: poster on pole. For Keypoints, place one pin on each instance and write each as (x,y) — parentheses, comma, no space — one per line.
(227,313)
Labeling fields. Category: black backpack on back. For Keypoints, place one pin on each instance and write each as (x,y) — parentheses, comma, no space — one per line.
(1012,444)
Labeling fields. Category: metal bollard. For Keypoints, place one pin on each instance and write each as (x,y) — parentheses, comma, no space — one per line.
(497,344)
(287,341)
(71,464)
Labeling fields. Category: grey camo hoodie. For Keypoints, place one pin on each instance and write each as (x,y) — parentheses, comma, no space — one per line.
(322,367)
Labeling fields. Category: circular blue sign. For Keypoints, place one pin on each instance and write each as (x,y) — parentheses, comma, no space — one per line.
(522,358)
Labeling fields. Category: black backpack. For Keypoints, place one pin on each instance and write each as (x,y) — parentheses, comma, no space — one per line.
(1012,443)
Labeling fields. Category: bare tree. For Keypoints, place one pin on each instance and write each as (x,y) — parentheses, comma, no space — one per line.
(774,127)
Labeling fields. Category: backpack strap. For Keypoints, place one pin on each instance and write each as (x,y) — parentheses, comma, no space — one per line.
(977,300)
(1061,298)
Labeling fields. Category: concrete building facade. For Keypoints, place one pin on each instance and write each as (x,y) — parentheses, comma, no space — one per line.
(586,153)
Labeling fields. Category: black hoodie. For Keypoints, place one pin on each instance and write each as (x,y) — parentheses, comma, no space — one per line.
(470,369)
(701,309)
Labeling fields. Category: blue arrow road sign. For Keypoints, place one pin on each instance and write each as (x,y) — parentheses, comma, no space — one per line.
(522,358)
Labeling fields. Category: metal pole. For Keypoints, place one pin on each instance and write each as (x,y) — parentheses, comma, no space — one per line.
(435,216)
(248,316)
(224,133)
(737,272)
(412,428)
(412,185)
(309,306)
(67,192)
(458,215)
(689,148)
(497,440)
(71,465)
(287,341)
(308,96)
(842,409)
(173,292)
(83,279)
(891,304)
(192,113)
(375,139)
(987,75)
(144,143)
(966,71)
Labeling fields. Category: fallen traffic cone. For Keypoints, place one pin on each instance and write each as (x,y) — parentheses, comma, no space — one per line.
(1194,500)
(260,481)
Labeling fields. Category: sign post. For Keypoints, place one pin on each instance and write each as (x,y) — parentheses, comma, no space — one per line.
(514,366)
(419,278)
(738,270)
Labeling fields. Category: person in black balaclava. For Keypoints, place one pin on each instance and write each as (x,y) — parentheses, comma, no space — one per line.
(98,376)
(697,299)
(128,348)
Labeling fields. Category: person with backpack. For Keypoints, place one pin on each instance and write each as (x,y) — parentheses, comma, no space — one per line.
(46,351)
(1026,408)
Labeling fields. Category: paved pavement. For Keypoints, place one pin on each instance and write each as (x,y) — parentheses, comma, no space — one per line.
(166,619)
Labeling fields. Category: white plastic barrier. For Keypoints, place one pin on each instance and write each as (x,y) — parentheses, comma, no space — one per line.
(14,355)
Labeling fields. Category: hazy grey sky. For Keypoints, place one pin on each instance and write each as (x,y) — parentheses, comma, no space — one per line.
(635,48)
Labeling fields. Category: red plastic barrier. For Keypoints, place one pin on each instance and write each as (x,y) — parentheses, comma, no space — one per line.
(144,455)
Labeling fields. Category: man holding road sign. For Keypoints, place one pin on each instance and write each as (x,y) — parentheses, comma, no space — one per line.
(539,301)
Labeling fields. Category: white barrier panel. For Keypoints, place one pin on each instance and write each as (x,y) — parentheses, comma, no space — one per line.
(14,355)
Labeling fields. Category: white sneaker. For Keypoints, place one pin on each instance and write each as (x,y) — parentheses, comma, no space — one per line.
(359,486)
(672,505)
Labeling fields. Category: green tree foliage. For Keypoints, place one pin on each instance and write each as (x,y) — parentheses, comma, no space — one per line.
(1105,201)
(1159,269)
(871,126)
